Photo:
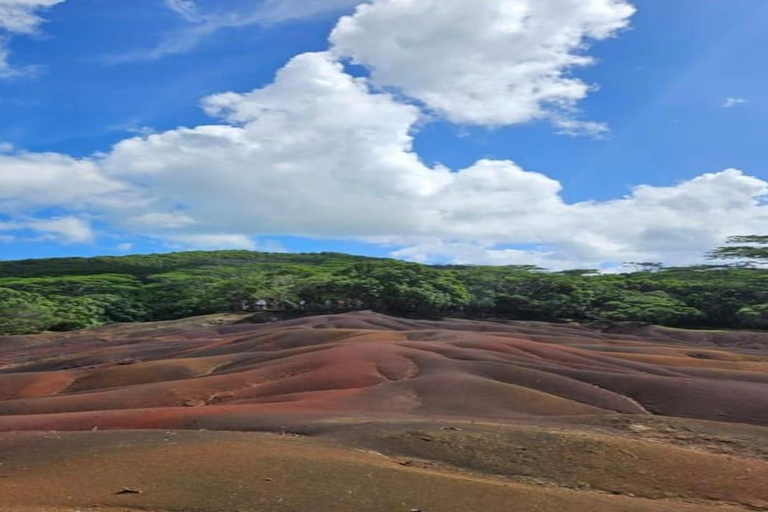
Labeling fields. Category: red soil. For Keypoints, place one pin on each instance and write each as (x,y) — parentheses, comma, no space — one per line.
(193,375)
(247,472)
(380,414)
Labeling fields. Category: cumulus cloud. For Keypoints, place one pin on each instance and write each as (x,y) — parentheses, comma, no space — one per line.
(44,180)
(288,162)
(19,17)
(321,153)
(63,229)
(285,162)
(675,224)
(487,63)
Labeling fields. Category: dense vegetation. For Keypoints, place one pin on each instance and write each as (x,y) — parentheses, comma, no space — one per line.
(73,293)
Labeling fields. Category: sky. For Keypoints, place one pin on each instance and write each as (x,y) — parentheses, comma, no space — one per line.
(559,133)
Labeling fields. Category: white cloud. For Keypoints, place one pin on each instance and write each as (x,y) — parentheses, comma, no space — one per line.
(19,17)
(267,11)
(213,241)
(290,163)
(321,153)
(462,252)
(150,221)
(132,126)
(488,63)
(675,224)
(187,9)
(287,163)
(734,102)
(273,11)
(29,180)
(124,247)
(63,229)
(573,127)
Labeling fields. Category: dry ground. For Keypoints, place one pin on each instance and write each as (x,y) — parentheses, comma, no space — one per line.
(366,412)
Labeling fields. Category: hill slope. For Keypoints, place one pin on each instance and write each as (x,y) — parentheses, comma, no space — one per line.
(164,376)
(362,411)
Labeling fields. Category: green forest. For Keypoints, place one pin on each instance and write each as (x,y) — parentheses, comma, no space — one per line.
(76,293)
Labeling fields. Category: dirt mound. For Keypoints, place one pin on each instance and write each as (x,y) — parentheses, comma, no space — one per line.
(367,412)
(191,374)
(729,339)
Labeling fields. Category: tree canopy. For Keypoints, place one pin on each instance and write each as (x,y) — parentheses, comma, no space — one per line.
(74,293)
(752,248)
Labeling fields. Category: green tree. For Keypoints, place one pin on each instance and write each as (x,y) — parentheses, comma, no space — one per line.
(653,307)
(750,248)
(754,317)
(73,293)
(24,313)
(397,288)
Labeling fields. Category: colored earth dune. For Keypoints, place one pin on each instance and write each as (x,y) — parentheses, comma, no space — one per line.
(362,411)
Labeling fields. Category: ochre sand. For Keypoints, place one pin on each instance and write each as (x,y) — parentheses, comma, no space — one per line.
(366,412)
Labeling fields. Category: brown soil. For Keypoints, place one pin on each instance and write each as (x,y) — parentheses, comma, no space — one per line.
(367,412)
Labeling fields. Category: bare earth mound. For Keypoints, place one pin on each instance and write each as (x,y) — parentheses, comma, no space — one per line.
(367,412)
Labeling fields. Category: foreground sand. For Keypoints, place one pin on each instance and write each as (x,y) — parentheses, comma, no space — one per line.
(365,412)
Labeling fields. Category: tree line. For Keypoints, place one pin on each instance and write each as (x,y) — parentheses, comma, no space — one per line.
(74,293)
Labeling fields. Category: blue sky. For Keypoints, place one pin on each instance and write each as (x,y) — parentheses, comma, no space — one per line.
(661,86)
